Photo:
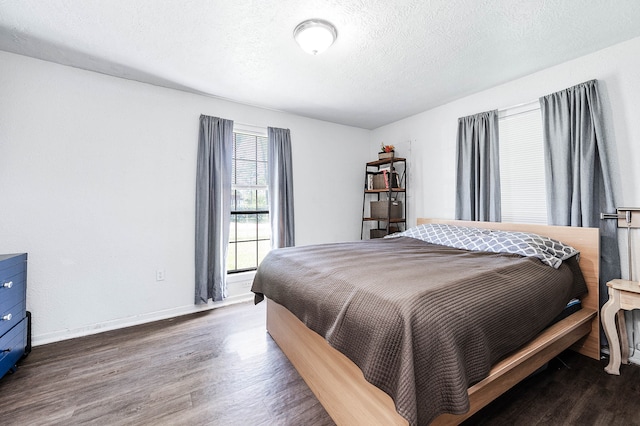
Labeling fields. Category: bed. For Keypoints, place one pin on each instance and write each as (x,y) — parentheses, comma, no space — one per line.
(340,384)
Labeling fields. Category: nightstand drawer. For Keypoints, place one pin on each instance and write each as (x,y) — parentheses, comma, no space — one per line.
(12,346)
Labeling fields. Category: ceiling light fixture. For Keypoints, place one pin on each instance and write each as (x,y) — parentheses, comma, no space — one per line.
(315,35)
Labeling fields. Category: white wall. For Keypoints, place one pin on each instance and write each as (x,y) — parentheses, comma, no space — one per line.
(97,182)
(433,133)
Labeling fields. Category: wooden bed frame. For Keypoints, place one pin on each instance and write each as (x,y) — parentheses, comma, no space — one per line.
(349,399)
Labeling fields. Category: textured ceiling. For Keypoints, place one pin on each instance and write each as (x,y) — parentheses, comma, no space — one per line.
(392,58)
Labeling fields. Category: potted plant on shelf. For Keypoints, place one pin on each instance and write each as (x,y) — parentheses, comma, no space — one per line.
(386,151)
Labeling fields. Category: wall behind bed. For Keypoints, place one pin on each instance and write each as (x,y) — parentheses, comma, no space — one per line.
(97,178)
(432,134)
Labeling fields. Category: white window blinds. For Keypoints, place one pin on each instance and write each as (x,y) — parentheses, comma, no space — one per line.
(522,174)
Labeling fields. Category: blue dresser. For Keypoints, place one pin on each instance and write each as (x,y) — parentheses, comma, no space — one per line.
(13,310)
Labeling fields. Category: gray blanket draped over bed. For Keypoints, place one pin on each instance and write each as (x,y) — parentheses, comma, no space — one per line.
(422,321)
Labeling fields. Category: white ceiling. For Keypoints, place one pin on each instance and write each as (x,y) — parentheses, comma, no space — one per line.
(392,58)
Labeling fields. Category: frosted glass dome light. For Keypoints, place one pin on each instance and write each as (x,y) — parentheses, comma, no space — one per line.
(315,35)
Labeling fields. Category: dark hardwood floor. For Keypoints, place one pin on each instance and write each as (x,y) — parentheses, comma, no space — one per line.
(213,368)
(221,368)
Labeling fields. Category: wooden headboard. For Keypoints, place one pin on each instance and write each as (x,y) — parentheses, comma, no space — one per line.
(585,240)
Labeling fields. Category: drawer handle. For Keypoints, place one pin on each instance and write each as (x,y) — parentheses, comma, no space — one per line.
(7,317)
(8,284)
(6,350)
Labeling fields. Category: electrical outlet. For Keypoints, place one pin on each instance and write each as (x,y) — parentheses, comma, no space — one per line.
(160,275)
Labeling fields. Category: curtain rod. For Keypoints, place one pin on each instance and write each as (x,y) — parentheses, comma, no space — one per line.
(521,104)
(519,109)
(250,128)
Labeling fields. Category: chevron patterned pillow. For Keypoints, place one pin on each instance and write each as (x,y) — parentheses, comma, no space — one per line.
(548,250)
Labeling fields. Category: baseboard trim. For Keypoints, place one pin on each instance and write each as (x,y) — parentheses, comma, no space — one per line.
(58,336)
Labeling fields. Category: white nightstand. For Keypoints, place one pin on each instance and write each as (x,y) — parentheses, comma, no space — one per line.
(623,294)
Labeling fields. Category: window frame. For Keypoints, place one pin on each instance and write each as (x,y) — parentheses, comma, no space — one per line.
(257,132)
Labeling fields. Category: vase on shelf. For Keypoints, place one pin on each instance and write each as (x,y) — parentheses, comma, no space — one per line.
(385,155)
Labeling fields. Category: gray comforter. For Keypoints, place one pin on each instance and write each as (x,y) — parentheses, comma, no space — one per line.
(422,321)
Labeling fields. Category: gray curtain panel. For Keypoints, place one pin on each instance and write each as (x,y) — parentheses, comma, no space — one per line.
(577,171)
(281,188)
(478,168)
(213,207)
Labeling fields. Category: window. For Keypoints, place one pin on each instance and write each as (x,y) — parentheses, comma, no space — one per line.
(522,167)
(250,231)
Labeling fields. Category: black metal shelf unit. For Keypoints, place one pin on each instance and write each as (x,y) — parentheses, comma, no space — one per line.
(384,199)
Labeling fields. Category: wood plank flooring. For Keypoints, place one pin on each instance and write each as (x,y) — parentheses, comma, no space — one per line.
(213,368)
(221,368)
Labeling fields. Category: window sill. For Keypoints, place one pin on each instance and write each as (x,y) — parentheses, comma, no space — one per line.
(240,276)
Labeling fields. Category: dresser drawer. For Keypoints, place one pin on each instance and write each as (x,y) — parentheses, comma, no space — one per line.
(13,281)
(14,290)
(11,264)
(11,316)
(12,346)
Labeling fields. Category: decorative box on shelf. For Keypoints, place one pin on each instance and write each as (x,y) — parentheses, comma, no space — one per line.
(385,155)
(380,209)
(381,180)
